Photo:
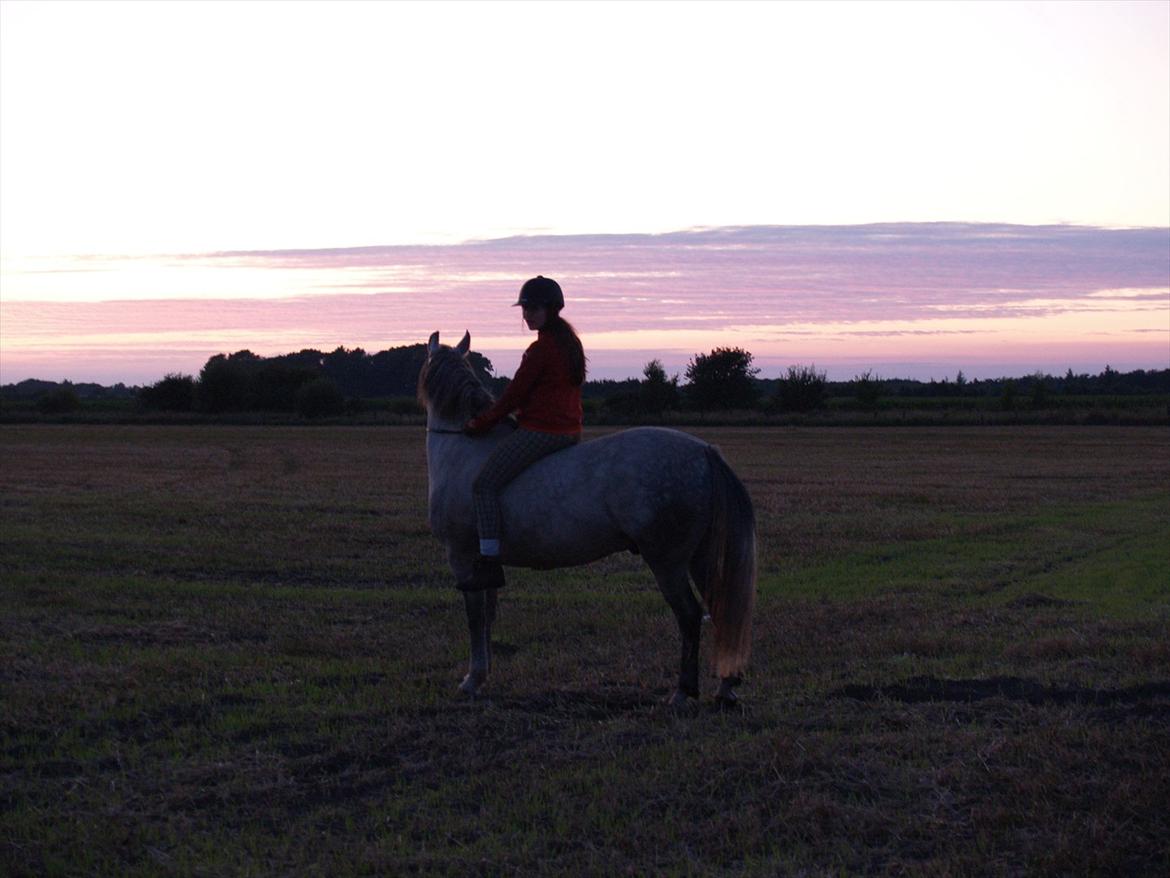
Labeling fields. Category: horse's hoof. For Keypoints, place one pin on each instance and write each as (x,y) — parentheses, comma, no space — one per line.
(680,701)
(727,701)
(725,694)
(472,686)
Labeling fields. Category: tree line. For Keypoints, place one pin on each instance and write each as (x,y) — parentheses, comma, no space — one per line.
(314,384)
(725,379)
(309,382)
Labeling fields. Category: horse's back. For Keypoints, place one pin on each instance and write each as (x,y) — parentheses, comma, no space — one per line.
(644,488)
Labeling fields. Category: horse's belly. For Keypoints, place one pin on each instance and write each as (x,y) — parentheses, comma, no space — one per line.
(548,556)
(557,539)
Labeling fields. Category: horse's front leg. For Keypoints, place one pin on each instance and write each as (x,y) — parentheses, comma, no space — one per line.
(479,628)
(481,612)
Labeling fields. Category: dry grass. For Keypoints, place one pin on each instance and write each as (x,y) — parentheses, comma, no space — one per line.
(234,650)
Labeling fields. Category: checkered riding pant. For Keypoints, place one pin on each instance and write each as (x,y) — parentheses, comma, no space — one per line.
(510,458)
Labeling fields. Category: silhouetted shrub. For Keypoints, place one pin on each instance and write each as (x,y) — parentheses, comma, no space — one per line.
(722,379)
(802,389)
(59,401)
(658,393)
(320,398)
(174,393)
(868,390)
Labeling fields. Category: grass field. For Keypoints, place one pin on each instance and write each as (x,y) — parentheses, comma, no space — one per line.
(234,650)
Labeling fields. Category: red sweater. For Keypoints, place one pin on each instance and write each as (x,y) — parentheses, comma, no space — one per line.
(541,392)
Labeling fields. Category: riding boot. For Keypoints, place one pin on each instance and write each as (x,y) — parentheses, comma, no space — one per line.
(488,572)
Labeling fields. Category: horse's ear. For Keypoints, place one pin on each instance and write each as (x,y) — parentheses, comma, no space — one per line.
(433,343)
(464,346)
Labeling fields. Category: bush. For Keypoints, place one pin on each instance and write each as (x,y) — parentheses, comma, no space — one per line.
(59,401)
(802,389)
(868,390)
(174,393)
(320,398)
(722,379)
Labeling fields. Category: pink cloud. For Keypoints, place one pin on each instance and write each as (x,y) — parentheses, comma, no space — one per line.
(890,291)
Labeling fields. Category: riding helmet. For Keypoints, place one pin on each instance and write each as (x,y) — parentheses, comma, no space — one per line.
(539,291)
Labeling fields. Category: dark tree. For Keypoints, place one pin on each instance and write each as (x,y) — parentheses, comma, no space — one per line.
(275,385)
(174,393)
(320,398)
(722,379)
(350,371)
(244,381)
(960,383)
(802,389)
(225,382)
(657,393)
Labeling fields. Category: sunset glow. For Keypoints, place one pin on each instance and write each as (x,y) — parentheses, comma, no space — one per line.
(899,299)
(907,188)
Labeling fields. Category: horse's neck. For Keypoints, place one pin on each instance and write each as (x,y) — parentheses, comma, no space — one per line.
(436,423)
(453,457)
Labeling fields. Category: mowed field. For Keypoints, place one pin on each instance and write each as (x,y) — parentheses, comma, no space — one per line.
(234,651)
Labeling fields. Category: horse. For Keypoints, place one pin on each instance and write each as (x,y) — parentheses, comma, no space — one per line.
(660,493)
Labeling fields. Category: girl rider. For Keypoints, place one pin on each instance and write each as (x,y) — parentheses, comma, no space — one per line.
(546,395)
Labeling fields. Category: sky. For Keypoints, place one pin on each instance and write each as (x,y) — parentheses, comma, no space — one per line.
(182,179)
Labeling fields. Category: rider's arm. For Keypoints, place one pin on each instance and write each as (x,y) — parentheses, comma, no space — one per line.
(516,394)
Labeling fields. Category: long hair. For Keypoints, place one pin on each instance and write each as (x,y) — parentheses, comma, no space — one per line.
(566,337)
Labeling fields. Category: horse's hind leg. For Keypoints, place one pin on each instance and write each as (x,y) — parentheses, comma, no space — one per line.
(675,585)
(725,694)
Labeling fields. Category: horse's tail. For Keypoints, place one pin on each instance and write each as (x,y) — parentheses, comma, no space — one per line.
(726,567)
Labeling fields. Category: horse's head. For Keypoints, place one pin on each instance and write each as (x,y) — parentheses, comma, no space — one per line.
(447,385)
(462,349)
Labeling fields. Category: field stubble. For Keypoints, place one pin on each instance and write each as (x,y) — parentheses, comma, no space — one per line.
(234,650)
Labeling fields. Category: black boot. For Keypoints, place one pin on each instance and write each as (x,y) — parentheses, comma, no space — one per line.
(488,572)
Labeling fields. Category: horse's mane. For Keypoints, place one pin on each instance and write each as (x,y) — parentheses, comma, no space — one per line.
(449,384)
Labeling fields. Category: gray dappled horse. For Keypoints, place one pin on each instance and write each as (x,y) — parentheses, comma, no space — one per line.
(661,493)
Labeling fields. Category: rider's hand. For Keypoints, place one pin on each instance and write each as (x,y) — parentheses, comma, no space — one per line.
(476,427)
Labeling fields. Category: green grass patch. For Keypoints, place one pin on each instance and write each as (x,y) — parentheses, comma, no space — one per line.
(1110,558)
